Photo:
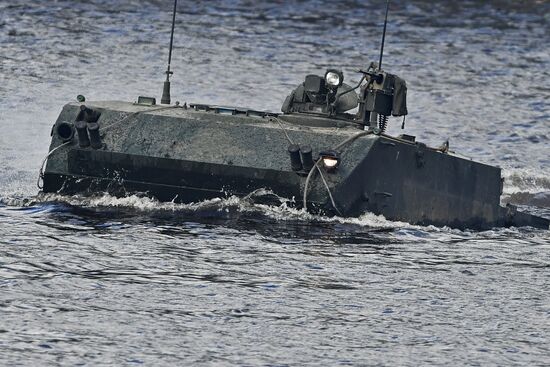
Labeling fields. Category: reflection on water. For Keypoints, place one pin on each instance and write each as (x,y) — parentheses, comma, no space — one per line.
(226,282)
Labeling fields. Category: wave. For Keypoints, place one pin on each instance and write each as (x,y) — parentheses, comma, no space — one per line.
(521,187)
(221,207)
(525,180)
(526,187)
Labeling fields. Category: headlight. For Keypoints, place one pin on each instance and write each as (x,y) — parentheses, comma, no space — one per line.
(330,159)
(330,162)
(334,78)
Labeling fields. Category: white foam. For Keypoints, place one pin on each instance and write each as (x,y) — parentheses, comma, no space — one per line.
(282,212)
(525,180)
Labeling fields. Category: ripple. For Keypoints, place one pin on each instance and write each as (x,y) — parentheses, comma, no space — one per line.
(129,281)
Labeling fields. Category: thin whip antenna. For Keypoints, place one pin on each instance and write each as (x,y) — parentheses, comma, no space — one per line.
(166,89)
(384,35)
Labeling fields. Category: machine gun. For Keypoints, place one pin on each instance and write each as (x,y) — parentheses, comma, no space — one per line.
(383,95)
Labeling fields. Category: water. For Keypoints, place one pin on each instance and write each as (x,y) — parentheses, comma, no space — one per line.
(130,281)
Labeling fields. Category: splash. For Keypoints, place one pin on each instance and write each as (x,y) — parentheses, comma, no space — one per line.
(526,187)
(525,180)
(230,204)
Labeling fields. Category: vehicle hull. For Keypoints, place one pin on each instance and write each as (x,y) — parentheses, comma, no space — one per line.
(184,155)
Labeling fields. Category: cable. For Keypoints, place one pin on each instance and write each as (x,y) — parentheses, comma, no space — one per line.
(284,130)
(352,138)
(338,95)
(41,171)
(316,166)
(310,173)
(328,189)
(133,114)
(309,176)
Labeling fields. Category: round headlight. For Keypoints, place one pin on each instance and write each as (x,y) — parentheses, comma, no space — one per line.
(333,78)
(330,162)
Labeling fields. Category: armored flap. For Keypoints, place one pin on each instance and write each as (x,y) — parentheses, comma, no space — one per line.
(399,97)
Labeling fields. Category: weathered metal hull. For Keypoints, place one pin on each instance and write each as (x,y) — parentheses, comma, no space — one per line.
(184,155)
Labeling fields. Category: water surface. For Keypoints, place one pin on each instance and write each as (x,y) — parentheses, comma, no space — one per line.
(130,281)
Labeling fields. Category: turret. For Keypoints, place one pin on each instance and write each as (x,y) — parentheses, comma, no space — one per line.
(381,95)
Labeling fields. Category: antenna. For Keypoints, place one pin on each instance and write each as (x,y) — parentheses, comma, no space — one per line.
(166,89)
(384,35)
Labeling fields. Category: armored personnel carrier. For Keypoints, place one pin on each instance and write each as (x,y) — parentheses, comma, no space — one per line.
(327,152)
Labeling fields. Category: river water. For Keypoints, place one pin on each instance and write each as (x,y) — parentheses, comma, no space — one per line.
(106,281)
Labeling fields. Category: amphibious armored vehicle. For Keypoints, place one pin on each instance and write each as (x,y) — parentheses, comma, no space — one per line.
(327,151)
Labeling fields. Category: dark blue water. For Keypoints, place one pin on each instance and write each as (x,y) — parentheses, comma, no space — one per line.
(106,281)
